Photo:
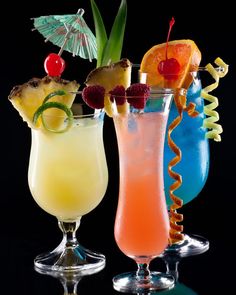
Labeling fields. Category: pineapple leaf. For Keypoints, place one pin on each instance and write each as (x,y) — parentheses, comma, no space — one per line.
(101,35)
(113,48)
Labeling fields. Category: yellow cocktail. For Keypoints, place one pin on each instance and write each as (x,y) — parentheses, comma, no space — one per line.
(68,172)
(68,178)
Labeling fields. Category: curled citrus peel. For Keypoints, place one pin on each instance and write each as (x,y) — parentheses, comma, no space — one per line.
(176,229)
(53,104)
(176,75)
(209,110)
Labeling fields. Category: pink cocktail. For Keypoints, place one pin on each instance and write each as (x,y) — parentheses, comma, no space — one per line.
(142,223)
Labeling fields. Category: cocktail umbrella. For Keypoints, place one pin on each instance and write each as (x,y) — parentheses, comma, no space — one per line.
(70,32)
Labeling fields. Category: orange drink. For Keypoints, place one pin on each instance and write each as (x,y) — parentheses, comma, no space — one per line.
(144,230)
(142,223)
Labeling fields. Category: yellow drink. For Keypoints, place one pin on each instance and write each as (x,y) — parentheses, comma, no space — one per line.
(67,171)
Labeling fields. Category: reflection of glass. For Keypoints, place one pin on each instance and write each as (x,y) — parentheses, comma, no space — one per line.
(194,165)
(179,289)
(172,261)
(142,224)
(68,178)
(69,280)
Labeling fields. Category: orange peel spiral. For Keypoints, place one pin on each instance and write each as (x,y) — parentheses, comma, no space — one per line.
(176,229)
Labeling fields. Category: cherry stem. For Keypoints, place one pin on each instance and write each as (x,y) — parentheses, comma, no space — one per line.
(172,21)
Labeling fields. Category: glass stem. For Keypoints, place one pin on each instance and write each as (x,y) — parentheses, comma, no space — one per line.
(143,272)
(69,232)
(70,286)
(172,263)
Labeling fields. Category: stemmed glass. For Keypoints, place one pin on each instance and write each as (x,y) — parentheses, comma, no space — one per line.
(142,223)
(68,178)
(190,137)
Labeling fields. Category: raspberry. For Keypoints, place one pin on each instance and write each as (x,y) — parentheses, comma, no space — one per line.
(137,95)
(118,93)
(94,96)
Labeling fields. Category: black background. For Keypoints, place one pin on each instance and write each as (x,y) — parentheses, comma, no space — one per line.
(26,230)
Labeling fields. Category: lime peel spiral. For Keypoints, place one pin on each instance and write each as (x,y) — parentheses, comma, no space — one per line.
(214,129)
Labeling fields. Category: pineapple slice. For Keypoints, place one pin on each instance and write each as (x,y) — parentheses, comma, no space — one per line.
(118,73)
(28,97)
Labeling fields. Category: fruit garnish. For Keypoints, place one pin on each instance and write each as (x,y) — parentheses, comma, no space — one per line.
(185,52)
(109,77)
(54,65)
(94,96)
(55,93)
(212,116)
(28,97)
(53,105)
(109,50)
(111,71)
(137,95)
(169,68)
(118,94)
(171,65)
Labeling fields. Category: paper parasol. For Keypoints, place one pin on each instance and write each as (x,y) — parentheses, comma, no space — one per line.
(69,32)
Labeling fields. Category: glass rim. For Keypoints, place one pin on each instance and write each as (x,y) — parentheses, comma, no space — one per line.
(154,90)
(162,90)
(198,69)
(93,115)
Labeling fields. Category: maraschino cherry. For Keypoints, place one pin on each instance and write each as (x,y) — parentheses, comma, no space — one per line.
(170,67)
(54,65)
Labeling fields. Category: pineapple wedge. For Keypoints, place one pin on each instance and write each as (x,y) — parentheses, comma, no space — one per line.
(26,99)
(118,73)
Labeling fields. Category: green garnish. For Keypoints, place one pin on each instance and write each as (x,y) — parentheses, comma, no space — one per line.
(53,104)
(109,50)
(55,93)
(100,31)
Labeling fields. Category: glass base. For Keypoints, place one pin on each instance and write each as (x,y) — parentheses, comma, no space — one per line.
(129,282)
(190,246)
(74,259)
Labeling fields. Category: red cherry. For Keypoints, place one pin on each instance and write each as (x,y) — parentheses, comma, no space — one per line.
(169,68)
(54,65)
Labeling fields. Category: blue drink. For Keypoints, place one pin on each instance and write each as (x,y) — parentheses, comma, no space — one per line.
(190,138)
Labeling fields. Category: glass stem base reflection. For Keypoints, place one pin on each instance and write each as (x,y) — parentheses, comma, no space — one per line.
(190,246)
(129,282)
(142,281)
(70,256)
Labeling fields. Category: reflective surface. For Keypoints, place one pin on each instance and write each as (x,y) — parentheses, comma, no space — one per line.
(196,276)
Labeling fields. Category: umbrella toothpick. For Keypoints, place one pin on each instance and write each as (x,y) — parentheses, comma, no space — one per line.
(67,37)
(80,11)
(69,32)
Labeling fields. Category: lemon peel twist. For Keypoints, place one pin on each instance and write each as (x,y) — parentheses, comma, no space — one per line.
(175,234)
(215,129)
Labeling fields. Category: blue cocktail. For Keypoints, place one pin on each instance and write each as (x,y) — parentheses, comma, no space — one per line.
(189,136)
